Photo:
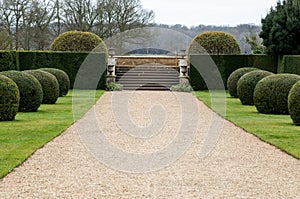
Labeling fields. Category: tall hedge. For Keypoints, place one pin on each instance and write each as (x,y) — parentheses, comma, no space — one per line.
(229,63)
(204,71)
(69,62)
(226,64)
(263,62)
(7,60)
(290,64)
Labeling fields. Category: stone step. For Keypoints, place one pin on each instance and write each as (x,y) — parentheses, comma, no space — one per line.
(145,81)
(147,78)
(146,87)
(139,70)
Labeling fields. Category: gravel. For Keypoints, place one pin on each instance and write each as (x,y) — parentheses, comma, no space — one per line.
(240,165)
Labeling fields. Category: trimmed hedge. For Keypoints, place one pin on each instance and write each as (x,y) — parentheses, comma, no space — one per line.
(69,62)
(247,83)
(228,64)
(9,99)
(49,84)
(62,78)
(271,93)
(7,60)
(31,93)
(207,66)
(290,64)
(294,103)
(234,78)
(263,62)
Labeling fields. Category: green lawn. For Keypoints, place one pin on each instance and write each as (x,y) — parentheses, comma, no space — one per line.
(30,131)
(277,130)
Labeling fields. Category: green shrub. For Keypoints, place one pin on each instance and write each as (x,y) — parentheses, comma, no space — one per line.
(182,88)
(214,43)
(62,78)
(78,41)
(31,93)
(7,60)
(294,103)
(49,84)
(271,93)
(9,99)
(114,87)
(234,78)
(247,83)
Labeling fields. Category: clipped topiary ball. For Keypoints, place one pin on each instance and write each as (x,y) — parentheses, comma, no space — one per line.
(214,43)
(62,78)
(49,84)
(78,41)
(247,83)
(9,99)
(31,93)
(271,93)
(235,77)
(294,103)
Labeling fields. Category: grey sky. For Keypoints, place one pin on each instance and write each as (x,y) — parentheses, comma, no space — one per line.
(209,12)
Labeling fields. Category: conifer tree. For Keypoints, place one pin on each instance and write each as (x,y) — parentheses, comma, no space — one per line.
(281,28)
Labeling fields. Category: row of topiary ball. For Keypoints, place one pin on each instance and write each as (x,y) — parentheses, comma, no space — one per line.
(25,91)
(270,93)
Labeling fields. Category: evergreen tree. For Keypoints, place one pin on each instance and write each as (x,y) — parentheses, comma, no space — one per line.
(281,28)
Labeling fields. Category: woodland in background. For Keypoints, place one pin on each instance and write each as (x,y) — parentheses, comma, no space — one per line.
(33,24)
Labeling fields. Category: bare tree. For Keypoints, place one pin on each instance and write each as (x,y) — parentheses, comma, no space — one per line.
(42,14)
(80,14)
(13,13)
(33,24)
(5,40)
(7,18)
(122,15)
(130,15)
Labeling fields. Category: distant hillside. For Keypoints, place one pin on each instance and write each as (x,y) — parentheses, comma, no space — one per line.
(239,32)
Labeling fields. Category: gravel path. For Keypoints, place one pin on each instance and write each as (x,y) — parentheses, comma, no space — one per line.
(240,166)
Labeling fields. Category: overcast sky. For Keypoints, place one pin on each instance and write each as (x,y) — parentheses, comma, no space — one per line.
(209,12)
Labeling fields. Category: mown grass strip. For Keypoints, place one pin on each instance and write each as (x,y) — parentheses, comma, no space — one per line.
(277,130)
(30,131)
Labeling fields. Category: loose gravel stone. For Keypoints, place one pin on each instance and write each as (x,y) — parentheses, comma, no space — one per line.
(240,165)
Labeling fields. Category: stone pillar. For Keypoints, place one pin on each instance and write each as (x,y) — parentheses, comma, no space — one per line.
(111,67)
(183,65)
